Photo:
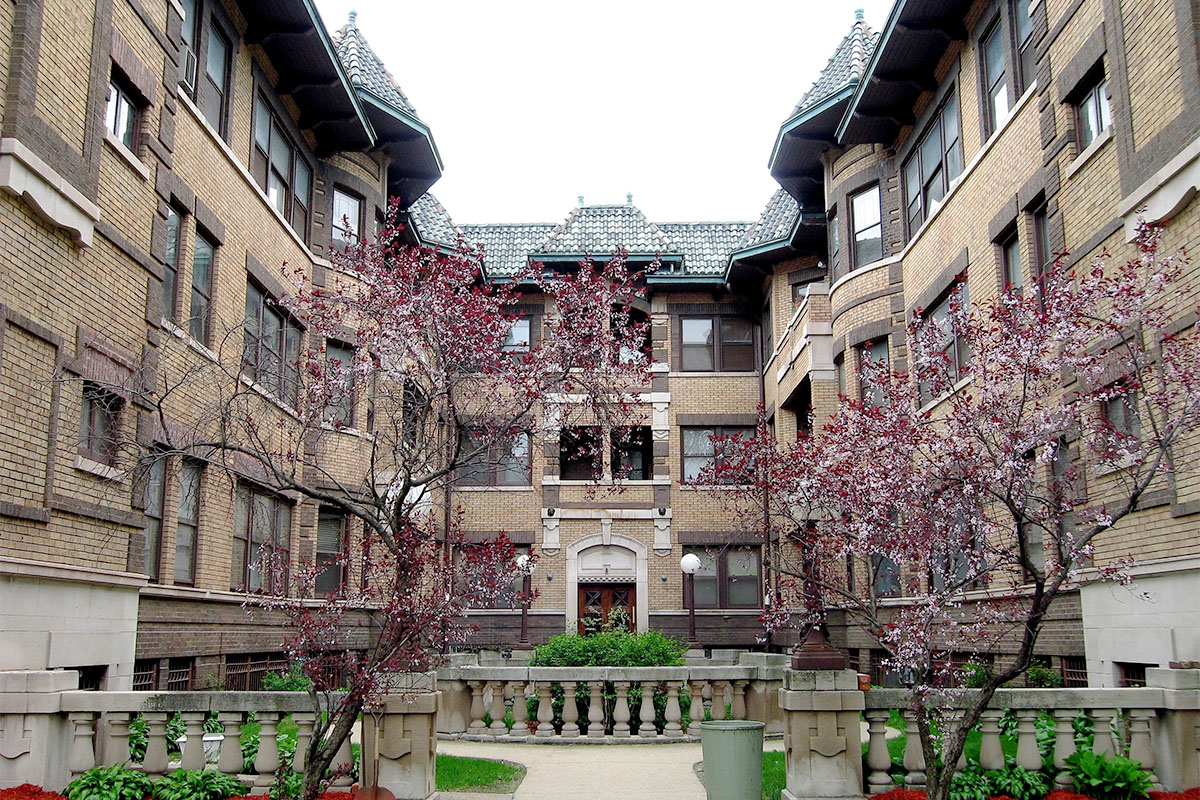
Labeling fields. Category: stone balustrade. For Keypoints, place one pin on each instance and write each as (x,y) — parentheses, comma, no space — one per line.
(521,703)
(73,731)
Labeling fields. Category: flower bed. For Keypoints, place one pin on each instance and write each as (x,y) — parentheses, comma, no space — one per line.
(27,791)
(1057,794)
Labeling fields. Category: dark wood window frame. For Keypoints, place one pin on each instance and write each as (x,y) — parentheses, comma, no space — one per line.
(332,578)
(719,556)
(100,424)
(629,445)
(928,183)
(722,345)
(746,431)
(173,250)
(187,522)
(153,511)
(270,145)
(250,535)
(271,349)
(200,311)
(493,473)
(342,413)
(996,34)
(1012,274)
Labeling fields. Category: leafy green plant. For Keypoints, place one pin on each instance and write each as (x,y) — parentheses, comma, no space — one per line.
(1042,677)
(1085,735)
(1045,736)
(175,730)
(196,784)
(1018,783)
(117,782)
(616,648)
(139,736)
(294,680)
(288,784)
(1106,778)
(975,675)
(970,784)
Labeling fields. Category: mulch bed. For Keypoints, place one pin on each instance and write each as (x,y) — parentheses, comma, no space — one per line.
(27,791)
(1057,794)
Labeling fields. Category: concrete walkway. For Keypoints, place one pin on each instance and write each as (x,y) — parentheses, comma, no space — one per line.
(597,772)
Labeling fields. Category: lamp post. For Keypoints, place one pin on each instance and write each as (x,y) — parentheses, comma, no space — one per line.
(690,565)
(525,567)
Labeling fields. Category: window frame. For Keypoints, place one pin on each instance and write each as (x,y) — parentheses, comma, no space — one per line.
(350,402)
(855,231)
(719,345)
(172,252)
(488,476)
(339,557)
(200,325)
(284,385)
(127,99)
(192,521)
(1093,93)
(297,204)
(100,422)
(863,352)
(949,108)
(576,466)
(244,533)
(154,509)
(988,83)
(640,441)
(953,338)
(210,29)
(720,557)
(1012,268)
(714,430)
(352,235)
(1026,52)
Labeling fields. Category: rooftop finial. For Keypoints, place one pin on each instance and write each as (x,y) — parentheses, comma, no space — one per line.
(580,198)
(353,17)
(858,14)
(629,198)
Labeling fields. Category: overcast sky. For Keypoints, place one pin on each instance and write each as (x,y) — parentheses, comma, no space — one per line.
(533,103)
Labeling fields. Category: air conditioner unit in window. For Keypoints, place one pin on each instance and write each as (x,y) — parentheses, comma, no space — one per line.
(188,67)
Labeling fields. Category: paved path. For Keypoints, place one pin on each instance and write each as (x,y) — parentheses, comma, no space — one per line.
(597,772)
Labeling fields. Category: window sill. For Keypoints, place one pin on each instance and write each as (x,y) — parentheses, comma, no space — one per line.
(1090,151)
(552,480)
(186,338)
(740,374)
(98,469)
(937,401)
(259,389)
(493,488)
(1120,465)
(712,487)
(128,155)
(864,269)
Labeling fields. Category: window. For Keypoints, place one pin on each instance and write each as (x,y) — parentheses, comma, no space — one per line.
(720,344)
(505,461)
(1092,112)
(579,453)
(867,226)
(92,677)
(768,331)
(517,338)
(885,576)
(1026,52)
(728,577)
(188,522)
(934,164)
(994,78)
(120,119)
(701,452)
(633,453)
(1131,675)
(180,672)
(262,525)
(271,355)
(876,354)
(199,320)
(214,85)
(339,373)
(347,219)
(955,345)
(331,539)
(835,243)
(187,58)
(99,424)
(632,350)
(799,293)
(245,673)
(1121,414)
(466,568)
(1074,672)
(156,477)
(279,169)
(170,286)
(145,675)
(1010,263)
(839,373)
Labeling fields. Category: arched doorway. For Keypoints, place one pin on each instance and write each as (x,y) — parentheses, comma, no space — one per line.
(607,582)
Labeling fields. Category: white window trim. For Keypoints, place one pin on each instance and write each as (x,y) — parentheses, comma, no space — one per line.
(127,154)
(1089,152)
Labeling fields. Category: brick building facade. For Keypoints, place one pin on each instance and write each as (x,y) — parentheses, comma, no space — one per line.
(160,159)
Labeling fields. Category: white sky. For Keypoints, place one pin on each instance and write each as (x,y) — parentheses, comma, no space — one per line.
(534,102)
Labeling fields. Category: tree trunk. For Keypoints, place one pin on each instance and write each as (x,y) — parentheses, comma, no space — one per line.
(323,749)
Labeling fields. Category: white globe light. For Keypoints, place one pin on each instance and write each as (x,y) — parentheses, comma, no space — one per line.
(690,564)
(525,564)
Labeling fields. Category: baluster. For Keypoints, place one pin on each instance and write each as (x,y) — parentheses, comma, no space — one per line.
(570,712)
(991,756)
(696,708)
(739,699)
(722,698)
(673,714)
(230,760)
(545,713)
(82,756)
(955,722)
(621,711)
(520,710)
(646,728)
(304,728)
(1140,746)
(1027,749)
(595,709)
(116,747)
(879,760)
(497,728)
(1102,728)
(193,747)
(1064,745)
(155,762)
(344,758)
(267,760)
(914,756)
(476,725)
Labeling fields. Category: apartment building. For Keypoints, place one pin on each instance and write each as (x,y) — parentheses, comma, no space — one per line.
(151,196)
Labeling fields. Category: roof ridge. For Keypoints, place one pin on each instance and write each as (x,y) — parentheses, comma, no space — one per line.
(845,66)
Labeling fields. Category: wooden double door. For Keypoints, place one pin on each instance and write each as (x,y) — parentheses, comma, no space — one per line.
(604,606)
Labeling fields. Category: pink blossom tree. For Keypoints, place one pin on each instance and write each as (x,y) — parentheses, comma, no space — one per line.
(982,482)
(452,385)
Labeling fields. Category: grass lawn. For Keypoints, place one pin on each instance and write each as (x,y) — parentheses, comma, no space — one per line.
(774,775)
(461,774)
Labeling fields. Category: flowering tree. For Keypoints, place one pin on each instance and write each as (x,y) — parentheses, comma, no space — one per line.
(452,385)
(977,486)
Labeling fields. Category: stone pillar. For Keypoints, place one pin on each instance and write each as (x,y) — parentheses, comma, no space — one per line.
(914,756)
(1175,733)
(695,708)
(1064,746)
(497,728)
(673,714)
(520,710)
(570,712)
(230,760)
(821,735)
(267,761)
(621,710)
(404,732)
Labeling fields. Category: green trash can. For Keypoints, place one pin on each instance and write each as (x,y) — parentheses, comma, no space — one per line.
(733,754)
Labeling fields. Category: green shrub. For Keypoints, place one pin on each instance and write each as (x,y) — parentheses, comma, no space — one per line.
(139,736)
(288,784)
(1106,778)
(617,648)
(975,675)
(175,730)
(294,680)
(117,782)
(1041,677)
(1018,783)
(197,784)
(970,784)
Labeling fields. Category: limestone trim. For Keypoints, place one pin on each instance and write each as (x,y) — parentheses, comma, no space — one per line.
(640,574)
(1165,193)
(52,196)
(40,570)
